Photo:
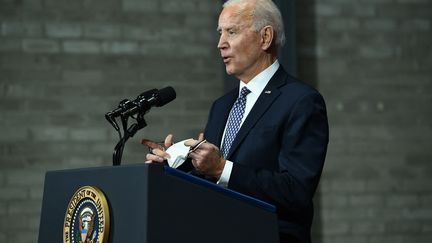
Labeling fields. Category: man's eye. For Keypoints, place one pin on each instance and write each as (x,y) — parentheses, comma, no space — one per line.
(231,32)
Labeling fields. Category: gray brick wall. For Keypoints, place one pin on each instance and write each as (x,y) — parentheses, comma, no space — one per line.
(63,64)
(372,60)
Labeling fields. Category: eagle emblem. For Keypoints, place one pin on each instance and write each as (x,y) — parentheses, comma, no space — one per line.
(87,217)
(86,225)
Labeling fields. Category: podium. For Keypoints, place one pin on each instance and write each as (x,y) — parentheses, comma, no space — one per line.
(151,203)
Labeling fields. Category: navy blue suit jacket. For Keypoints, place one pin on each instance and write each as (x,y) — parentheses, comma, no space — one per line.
(279,151)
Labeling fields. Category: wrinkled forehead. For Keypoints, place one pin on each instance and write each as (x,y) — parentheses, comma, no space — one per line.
(239,15)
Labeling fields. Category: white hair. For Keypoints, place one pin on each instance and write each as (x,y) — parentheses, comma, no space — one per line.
(265,12)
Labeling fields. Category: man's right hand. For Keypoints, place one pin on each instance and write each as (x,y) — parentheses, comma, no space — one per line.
(157,151)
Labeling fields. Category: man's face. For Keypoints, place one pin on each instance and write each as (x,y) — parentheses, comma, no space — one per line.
(239,45)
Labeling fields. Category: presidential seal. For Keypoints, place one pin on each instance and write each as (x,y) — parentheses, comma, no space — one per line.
(87,217)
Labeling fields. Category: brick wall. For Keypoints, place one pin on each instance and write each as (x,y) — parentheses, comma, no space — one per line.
(372,60)
(63,64)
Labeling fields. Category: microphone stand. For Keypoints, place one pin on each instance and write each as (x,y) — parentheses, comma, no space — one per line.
(127,109)
(127,133)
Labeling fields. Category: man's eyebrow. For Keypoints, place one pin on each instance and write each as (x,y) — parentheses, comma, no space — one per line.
(231,27)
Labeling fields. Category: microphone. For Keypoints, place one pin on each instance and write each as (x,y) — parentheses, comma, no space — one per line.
(143,103)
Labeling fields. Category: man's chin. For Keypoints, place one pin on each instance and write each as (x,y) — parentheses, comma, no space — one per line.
(229,71)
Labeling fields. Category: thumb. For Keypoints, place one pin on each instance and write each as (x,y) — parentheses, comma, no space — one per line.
(168,141)
(201,136)
(190,142)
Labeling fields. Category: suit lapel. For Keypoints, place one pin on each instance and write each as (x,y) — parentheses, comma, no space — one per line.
(266,98)
(222,117)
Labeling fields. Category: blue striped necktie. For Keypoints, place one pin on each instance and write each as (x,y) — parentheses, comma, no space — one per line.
(234,121)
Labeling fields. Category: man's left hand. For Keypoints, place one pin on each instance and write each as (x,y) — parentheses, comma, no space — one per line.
(207,158)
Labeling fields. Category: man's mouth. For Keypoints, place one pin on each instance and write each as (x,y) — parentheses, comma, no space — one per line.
(226,59)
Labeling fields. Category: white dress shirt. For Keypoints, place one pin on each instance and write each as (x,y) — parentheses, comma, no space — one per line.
(256,86)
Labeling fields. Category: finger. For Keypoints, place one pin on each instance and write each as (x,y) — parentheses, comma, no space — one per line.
(195,165)
(193,155)
(197,157)
(204,148)
(201,136)
(161,153)
(190,142)
(154,158)
(151,144)
(168,140)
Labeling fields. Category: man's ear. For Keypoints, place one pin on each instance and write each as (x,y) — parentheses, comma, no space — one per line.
(267,35)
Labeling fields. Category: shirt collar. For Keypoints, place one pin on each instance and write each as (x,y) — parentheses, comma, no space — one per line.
(258,83)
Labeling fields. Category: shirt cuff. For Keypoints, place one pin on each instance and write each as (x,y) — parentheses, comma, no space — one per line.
(226,174)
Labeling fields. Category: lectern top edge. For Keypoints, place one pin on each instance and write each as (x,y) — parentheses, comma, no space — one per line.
(190,178)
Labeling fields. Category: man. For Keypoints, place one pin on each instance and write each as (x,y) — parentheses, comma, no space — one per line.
(268,137)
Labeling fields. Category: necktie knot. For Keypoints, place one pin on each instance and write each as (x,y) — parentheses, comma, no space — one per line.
(244,92)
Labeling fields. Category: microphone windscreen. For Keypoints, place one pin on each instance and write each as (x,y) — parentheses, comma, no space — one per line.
(166,95)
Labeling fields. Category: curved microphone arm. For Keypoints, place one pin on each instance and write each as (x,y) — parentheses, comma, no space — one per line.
(128,133)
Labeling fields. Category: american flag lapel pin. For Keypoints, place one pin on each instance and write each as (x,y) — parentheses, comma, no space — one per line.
(267,92)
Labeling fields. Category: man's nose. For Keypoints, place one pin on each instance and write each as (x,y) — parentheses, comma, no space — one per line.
(222,42)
